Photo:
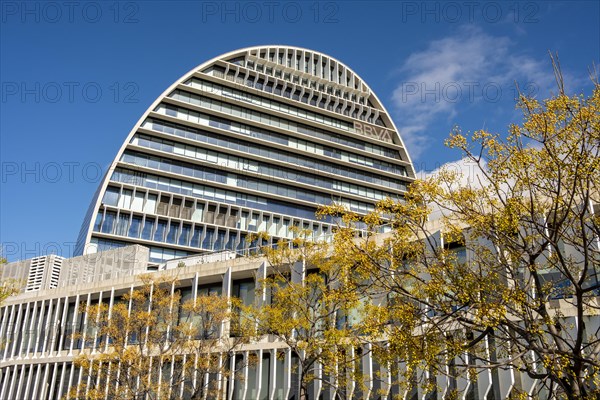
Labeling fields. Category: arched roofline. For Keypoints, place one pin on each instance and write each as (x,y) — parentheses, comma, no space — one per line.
(188,75)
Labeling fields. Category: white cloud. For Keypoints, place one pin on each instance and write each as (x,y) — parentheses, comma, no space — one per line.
(469,172)
(468,67)
(470,175)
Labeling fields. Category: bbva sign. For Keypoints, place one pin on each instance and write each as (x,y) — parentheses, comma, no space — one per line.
(376,132)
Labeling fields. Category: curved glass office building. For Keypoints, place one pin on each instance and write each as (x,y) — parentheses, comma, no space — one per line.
(253,140)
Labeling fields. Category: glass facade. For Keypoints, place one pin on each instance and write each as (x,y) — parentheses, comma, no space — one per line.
(248,143)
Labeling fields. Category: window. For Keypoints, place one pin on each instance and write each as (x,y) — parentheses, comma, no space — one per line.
(148,230)
(195,242)
(138,201)
(458,252)
(150,205)
(125,199)
(184,237)
(159,234)
(231,241)
(111,196)
(98,222)
(134,228)
(207,243)
(220,242)
(109,220)
(265,387)
(243,290)
(197,214)
(173,232)
(163,205)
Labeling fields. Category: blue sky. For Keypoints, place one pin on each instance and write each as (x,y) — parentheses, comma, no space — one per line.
(76,77)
